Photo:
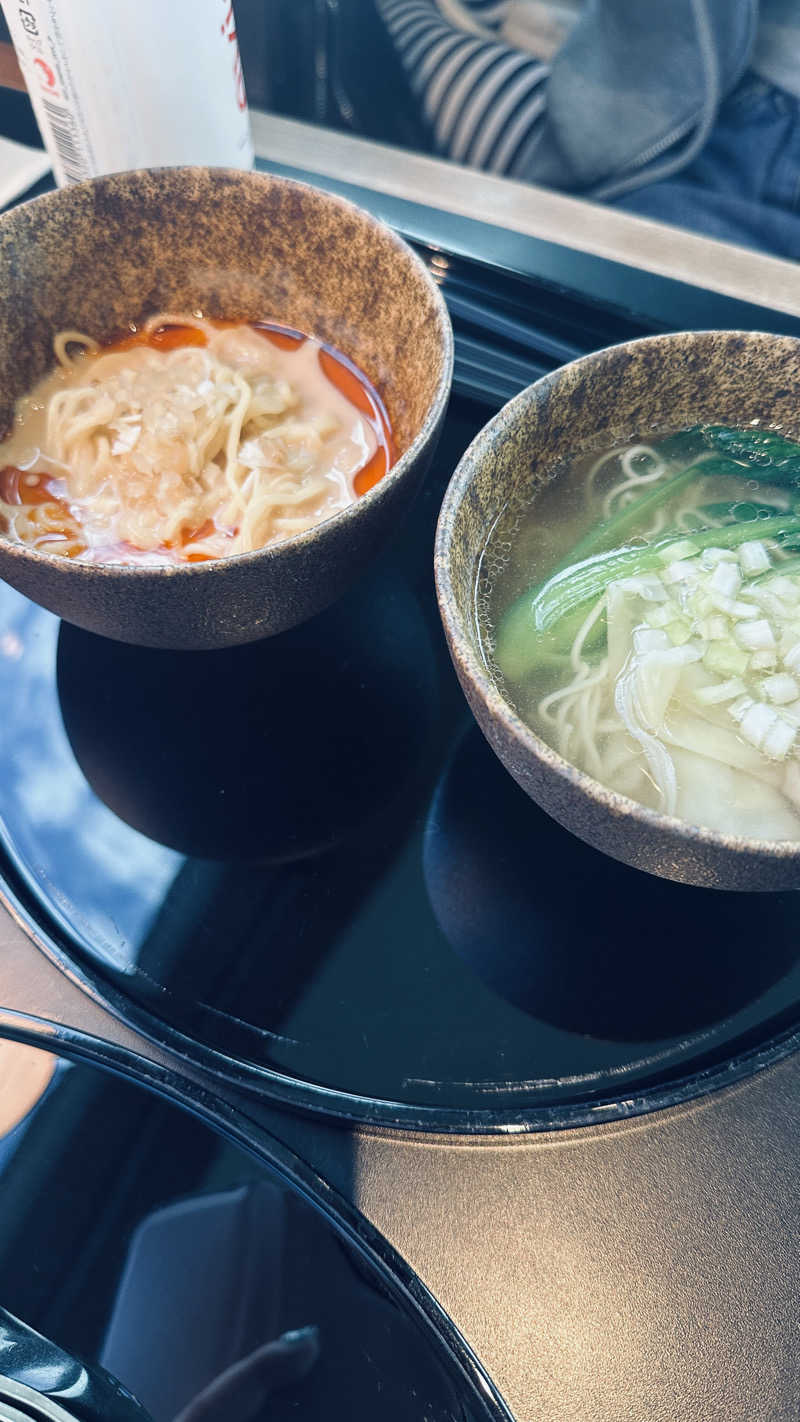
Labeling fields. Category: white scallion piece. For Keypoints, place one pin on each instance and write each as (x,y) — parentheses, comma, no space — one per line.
(731,607)
(785,588)
(779,739)
(650,639)
(726,579)
(753,558)
(743,610)
(791,659)
(682,570)
(702,604)
(721,692)
(770,603)
(756,724)
(677,551)
(780,688)
(647,585)
(754,636)
(662,613)
(716,628)
(764,660)
(710,557)
(723,659)
(679,632)
(740,708)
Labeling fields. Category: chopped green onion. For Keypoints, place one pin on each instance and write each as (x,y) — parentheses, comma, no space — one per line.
(779,739)
(780,688)
(764,728)
(580,583)
(710,557)
(740,708)
(754,636)
(743,610)
(756,724)
(649,639)
(648,586)
(662,614)
(789,567)
(676,552)
(725,660)
(683,570)
(726,579)
(715,628)
(679,631)
(754,558)
(784,588)
(546,619)
(720,692)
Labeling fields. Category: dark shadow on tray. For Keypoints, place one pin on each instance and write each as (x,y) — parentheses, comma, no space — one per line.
(579,940)
(268,752)
(293,763)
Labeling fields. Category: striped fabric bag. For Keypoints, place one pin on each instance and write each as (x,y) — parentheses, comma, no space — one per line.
(478,69)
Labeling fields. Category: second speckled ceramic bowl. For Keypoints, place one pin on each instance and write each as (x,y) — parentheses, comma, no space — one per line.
(662,382)
(245,246)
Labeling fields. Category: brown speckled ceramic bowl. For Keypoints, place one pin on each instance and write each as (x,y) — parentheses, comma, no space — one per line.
(662,383)
(245,246)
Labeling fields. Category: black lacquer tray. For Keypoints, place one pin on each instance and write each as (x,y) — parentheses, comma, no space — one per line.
(300,863)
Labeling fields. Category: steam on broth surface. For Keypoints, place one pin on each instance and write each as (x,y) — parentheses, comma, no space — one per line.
(188,440)
(643,617)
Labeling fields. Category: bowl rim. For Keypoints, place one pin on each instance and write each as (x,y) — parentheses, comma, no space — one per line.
(469,664)
(359,509)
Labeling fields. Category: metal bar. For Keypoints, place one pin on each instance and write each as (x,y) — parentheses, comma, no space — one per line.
(617,260)
(507,329)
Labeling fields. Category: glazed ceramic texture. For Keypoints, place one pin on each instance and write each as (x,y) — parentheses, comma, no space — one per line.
(660,383)
(244,246)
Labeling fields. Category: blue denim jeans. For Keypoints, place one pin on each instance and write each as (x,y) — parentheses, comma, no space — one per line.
(745,185)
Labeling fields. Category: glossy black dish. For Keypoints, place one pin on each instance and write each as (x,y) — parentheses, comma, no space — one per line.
(148,1261)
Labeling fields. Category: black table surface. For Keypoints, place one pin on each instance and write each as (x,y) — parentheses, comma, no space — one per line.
(299,862)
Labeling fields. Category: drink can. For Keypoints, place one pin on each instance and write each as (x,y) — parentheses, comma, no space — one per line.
(133,84)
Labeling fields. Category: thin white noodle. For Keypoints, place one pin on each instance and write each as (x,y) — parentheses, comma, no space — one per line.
(657,526)
(169,318)
(72,338)
(587,723)
(576,688)
(205,447)
(575,657)
(595,470)
(632,480)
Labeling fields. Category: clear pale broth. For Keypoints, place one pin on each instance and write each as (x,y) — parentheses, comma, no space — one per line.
(533,537)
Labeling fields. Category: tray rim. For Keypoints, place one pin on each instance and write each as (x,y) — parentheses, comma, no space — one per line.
(339,1105)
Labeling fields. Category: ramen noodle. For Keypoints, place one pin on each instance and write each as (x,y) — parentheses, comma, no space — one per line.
(188,440)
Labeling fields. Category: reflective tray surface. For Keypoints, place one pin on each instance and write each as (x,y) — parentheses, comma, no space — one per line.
(300,863)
